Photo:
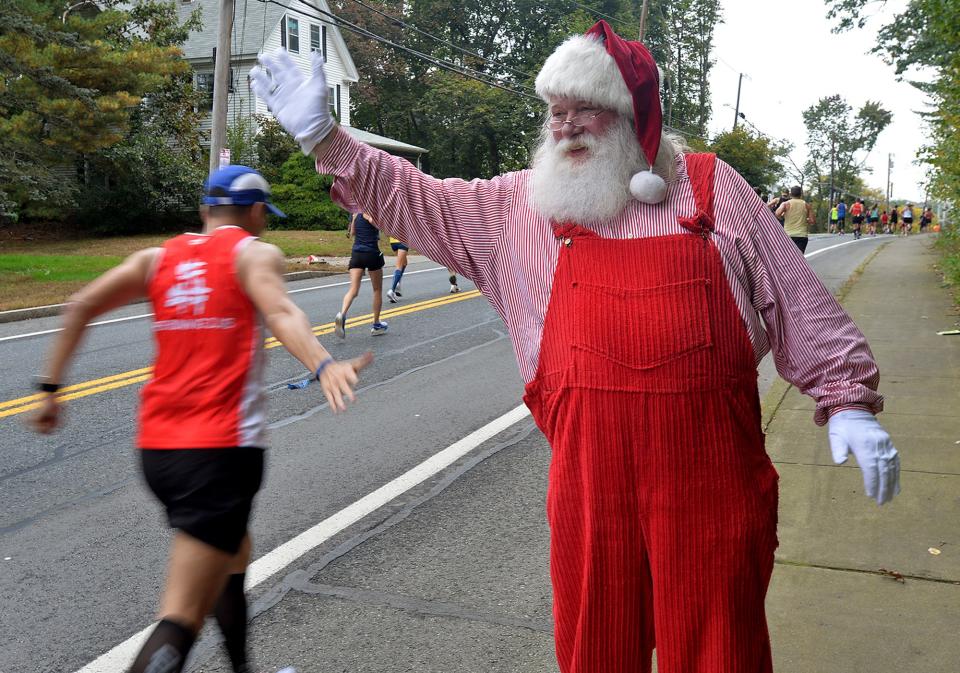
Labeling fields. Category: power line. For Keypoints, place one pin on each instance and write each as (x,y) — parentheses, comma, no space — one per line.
(440,63)
(439,39)
(597,12)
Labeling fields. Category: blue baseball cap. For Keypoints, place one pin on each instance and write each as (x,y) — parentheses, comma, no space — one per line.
(236,185)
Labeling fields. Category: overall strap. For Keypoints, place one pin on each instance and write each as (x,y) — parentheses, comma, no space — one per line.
(700,169)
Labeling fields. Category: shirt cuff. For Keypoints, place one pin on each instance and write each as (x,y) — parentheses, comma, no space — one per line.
(340,155)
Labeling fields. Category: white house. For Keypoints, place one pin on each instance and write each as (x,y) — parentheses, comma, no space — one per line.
(302,27)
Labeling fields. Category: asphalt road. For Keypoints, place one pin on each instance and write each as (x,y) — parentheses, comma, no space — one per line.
(445,575)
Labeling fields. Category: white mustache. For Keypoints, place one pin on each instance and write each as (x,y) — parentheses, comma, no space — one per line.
(571,144)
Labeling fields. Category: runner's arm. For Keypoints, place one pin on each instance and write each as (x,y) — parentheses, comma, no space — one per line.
(116,287)
(260,270)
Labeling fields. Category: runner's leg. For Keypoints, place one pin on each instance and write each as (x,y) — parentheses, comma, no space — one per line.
(376,282)
(196,575)
(231,609)
(356,275)
(401,267)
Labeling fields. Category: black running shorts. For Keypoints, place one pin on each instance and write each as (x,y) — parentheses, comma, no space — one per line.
(372,261)
(208,493)
(397,246)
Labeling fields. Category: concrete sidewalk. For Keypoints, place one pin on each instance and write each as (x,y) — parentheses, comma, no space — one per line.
(453,576)
(832,604)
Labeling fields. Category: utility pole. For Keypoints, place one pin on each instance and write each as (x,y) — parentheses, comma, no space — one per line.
(736,111)
(889,166)
(833,143)
(643,20)
(221,84)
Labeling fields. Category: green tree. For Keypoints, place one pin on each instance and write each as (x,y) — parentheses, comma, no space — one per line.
(755,157)
(242,142)
(473,129)
(835,136)
(274,147)
(924,36)
(70,82)
(684,53)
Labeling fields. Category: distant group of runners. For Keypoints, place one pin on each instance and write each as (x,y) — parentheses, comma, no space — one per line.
(896,221)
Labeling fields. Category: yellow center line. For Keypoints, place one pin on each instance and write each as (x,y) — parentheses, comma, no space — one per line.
(114,381)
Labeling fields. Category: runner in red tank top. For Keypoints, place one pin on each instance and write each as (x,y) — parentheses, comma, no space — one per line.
(202,420)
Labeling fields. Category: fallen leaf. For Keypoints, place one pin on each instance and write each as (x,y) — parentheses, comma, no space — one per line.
(893,574)
(934,551)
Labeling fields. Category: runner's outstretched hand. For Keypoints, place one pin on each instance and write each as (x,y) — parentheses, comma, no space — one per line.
(47,417)
(299,103)
(338,380)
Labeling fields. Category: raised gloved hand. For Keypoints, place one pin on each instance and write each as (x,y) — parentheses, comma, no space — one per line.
(299,103)
(857,431)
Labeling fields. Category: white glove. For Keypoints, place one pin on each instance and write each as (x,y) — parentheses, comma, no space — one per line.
(857,431)
(299,103)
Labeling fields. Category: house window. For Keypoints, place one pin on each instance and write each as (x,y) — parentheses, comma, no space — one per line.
(205,87)
(315,38)
(293,35)
(335,100)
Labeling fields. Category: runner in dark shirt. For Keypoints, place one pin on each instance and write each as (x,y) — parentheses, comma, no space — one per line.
(365,256)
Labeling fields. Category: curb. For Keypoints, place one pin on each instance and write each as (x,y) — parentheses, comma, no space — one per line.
(29,313)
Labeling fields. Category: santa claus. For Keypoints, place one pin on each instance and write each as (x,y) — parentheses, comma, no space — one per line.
(641,285)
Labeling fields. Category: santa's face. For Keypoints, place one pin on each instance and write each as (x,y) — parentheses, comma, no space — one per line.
(570,119)
(582,166)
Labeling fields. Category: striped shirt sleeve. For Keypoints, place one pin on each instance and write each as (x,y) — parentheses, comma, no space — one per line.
(816,346)
(454,222)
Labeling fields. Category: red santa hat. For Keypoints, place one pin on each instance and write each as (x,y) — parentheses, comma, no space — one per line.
(603,68)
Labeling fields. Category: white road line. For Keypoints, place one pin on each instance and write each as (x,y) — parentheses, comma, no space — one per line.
(121,656)
(148,315)
(840,245)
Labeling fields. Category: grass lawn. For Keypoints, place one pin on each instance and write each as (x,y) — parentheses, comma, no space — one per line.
(39,272)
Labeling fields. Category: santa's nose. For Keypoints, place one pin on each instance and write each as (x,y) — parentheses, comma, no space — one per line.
(570,130)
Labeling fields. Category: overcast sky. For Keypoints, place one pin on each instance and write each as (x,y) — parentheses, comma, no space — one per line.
(792,60)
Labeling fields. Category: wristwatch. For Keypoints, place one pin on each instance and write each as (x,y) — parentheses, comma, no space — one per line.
(44,385)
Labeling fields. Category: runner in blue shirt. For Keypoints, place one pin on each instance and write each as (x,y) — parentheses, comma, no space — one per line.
(365,256)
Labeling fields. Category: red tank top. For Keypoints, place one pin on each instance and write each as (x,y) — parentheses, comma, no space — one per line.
(207,386)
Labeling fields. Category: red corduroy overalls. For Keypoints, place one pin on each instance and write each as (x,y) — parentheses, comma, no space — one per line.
(662,502)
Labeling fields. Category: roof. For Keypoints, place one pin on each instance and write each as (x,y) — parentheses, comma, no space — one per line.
(253,23)
(380,142)
(249,32)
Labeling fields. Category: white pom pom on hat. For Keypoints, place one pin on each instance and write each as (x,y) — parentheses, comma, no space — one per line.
(603,68)
(648,187)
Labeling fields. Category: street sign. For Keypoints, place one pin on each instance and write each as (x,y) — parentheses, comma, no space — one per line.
(224,157)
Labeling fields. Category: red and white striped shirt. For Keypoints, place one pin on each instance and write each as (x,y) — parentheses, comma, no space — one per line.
(487,231)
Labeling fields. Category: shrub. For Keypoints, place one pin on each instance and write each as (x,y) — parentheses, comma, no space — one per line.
(140,185)
(304,196)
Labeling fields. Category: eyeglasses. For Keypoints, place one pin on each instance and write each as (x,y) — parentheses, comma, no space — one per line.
(579,120)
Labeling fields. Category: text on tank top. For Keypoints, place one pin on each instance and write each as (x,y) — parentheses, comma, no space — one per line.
(206,390)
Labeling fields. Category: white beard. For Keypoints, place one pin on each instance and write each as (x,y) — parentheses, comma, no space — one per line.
(590,190)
